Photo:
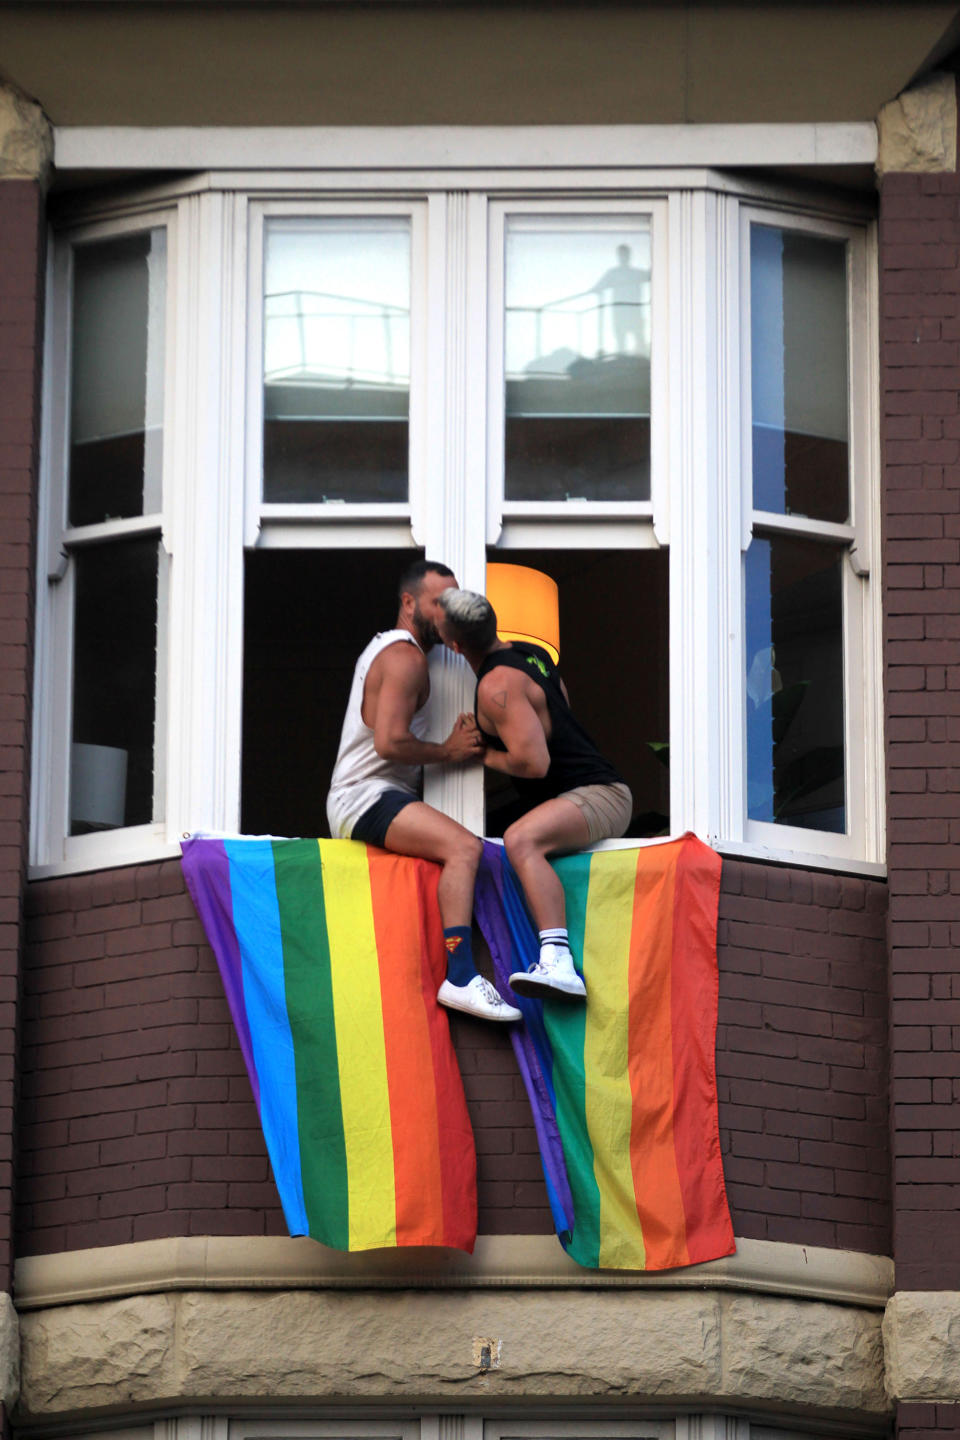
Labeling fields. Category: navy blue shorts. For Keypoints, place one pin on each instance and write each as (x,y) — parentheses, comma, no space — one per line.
(374,823)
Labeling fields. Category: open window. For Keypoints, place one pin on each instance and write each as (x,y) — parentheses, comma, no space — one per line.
(261,404)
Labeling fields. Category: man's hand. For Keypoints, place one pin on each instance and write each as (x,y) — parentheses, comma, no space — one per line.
(464,741)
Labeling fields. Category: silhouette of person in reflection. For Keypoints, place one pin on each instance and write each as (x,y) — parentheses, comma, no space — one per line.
(625,284)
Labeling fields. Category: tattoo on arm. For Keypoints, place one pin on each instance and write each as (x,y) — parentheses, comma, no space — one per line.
(500,699)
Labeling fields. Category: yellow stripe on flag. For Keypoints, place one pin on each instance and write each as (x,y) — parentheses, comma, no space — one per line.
(609,1103)
(361,1053)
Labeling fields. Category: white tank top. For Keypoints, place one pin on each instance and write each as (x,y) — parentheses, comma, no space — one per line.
(360,775)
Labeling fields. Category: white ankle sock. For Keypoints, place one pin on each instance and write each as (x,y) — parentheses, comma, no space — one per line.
(556,937)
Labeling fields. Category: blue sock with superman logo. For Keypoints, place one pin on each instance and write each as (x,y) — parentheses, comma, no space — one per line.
(459,943)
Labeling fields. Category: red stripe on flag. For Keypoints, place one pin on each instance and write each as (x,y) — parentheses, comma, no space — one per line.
(458,1155)
(694,1004)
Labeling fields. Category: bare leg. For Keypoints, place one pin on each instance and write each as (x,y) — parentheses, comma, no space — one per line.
(426,833)
(549,829)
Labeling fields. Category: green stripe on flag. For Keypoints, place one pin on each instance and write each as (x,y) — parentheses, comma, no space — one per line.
(309,997)
(566,1029)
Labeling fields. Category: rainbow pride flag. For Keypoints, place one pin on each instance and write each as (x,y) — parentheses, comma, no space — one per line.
(329,953)
(624,1089)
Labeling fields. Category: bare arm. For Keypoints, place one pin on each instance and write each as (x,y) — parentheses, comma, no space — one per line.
(507,709)
(400,686)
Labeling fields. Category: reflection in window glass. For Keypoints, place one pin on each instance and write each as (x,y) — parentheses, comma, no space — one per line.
(114,686)
(798,307)
(794,684)
(577,360)
(336,360)
(116,400)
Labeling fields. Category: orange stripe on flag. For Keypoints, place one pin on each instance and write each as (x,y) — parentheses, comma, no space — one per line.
(652,1157)
(410,1071)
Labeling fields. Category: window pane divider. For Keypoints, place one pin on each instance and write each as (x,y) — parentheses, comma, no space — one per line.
(577,510)
(767,521)
(126,529)
(332,513)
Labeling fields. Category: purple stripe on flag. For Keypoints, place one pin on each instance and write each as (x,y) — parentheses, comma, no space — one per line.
(210,890)
(498,894)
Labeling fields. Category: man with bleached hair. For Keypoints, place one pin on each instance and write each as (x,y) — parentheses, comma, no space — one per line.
(575,796)
(375,790)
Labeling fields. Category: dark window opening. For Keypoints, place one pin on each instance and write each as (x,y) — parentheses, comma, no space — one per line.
(614,648)
(310,613)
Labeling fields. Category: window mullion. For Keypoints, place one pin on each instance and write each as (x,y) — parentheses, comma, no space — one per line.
(454,515)
(205,531)
(695,568)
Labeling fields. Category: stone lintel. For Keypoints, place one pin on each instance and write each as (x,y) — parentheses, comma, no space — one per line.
(418,1347)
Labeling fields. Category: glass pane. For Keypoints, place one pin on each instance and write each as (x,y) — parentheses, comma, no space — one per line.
(794,684)
(336,360)
(114,686)
(577,360)
(798,308)
(116,388)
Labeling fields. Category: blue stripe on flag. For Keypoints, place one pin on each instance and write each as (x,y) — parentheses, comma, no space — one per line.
(256,916)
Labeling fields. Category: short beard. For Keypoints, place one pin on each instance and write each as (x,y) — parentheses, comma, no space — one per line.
(426,632)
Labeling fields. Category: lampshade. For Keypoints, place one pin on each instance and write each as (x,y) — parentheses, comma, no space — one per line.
(527,606)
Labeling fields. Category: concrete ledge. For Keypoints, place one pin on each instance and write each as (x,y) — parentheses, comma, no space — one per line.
(418,146)
(499,1262)
(921,1332)
(689,1347)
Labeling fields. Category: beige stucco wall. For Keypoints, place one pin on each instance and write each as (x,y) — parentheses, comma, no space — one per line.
(466,63)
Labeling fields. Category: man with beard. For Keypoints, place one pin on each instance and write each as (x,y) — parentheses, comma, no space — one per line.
(374,792)
(574,797)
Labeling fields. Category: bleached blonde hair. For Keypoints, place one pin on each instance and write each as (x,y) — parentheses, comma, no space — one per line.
(472,619)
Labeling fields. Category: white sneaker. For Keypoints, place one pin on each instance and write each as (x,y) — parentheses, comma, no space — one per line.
(551,975)
(478,997)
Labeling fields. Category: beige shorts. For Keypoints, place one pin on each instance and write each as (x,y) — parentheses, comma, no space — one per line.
(607,809)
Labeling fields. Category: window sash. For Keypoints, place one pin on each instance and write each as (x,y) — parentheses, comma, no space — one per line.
(51,843)
(860,615)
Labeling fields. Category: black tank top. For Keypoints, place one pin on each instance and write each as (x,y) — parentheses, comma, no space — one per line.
(574,758)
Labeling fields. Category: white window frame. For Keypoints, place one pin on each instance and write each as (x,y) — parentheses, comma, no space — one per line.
(58,541)
(856,541)
(213,427)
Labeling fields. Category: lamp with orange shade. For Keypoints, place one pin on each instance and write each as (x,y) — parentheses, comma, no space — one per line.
(527,606)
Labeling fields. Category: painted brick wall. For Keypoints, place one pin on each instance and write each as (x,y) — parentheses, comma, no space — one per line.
(138,1120)
(21,270)
(802,1056)
(928,1422)
(920,356)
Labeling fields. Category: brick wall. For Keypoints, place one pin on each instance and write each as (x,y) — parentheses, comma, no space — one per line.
(137,1118)
(928,1422)
(920,357)
(801,1056)
(21,270)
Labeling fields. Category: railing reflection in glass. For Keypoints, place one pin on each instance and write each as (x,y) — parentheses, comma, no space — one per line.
(577,343)
(336,359)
